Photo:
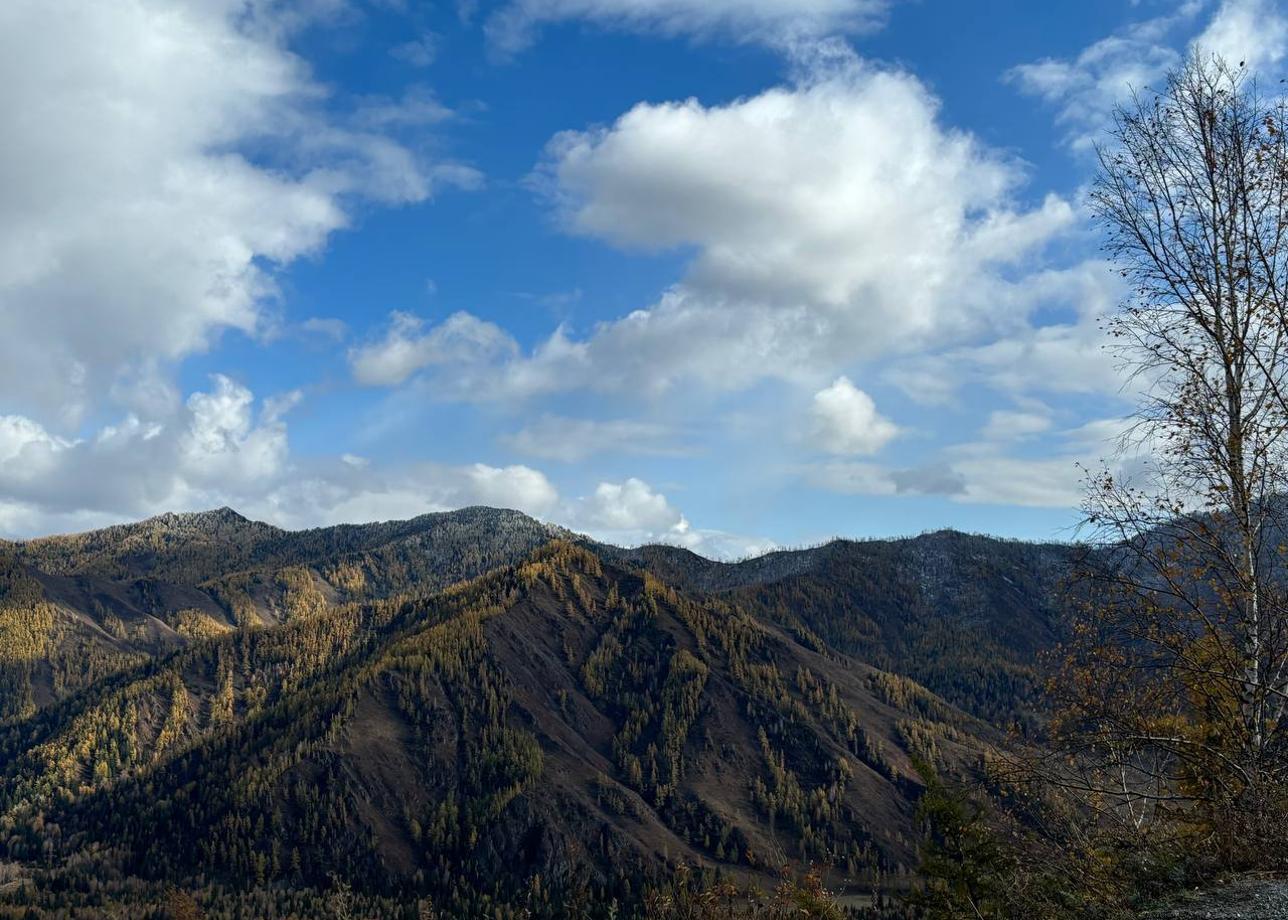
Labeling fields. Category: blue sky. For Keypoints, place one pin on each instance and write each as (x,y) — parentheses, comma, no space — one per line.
(725,273)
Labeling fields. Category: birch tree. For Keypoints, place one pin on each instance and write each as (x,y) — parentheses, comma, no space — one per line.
(1176,688)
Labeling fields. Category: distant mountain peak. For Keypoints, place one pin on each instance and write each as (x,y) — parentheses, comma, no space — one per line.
(212,522)
(215,515)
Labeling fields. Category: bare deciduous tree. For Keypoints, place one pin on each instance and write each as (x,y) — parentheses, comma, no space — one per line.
(1177,687)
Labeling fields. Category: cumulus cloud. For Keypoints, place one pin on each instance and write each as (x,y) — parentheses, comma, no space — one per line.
(774,22)
(859,206)
(632,505)
(222,446)
(845,420)
(28,454)
(862,229)
(213,448)
(137,227)
(354,490)
(628,513)
(511,487)
(632,513)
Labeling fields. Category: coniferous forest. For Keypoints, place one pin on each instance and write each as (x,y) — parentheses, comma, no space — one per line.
(474,714)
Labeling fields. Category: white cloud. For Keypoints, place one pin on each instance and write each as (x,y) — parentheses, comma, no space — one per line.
(1063,358)
(854,183)
(345,491)
(1068,356)
(999,479)
(29,455)
(21,440)
(417,107)
(211,451)
(276,407)
(995,479)
(135,230)
(1086,88)
(773,22)
(718,544)
(633,513)
(1013,425)
(223,447)
(629,506)
(406,348)
(627,513)
(1254,32)
(863,229)
(845,420)
(995,470)
(326,327)
(1051,359)
(18,520)
(511,487)
(553,437)
(217,449)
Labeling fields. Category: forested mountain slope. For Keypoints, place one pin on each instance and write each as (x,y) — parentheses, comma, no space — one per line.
(968,616)
(75,608)
(482,713)
(560,729)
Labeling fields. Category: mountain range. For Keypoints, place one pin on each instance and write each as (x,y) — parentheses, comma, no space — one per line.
(475,713)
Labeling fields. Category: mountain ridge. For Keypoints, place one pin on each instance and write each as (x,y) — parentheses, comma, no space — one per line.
(795,557)
(922,598)
(629,725)
(547,714)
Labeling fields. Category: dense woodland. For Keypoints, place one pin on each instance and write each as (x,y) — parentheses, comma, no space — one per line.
(544,727)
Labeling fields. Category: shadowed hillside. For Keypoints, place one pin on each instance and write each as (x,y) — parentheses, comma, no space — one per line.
(561,729)
(204,700)
(967,616)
